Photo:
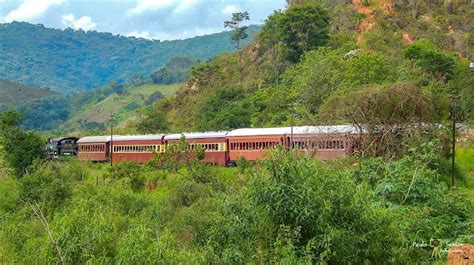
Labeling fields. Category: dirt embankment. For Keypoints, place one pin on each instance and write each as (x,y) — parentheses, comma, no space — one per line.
(368,23)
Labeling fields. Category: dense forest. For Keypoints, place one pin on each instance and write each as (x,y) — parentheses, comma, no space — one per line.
(69,60)
(391,67)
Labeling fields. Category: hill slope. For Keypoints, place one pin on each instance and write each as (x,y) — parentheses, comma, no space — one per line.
(14,94)
(71,60)
(90,110)
(371,47)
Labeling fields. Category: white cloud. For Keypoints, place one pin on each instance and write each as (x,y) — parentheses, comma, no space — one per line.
(30,9)
(229,9)
(172,36)
(184,5)
(67,19)
(149,5)
(84,23)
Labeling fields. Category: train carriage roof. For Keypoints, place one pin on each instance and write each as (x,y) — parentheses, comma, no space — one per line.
(297,130)
(197,135)
(94,139)
(258,131)
(120,138)
(327,129)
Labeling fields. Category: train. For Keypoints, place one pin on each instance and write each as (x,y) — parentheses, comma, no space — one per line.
(221,148)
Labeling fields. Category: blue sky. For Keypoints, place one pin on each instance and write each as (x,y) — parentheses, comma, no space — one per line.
(156,19)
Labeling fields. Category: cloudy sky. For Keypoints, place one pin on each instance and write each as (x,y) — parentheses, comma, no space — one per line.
(157,19)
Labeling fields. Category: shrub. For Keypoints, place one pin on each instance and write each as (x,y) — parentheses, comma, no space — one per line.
(129,170)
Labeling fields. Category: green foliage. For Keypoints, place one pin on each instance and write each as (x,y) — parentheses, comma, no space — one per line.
(300,28)
(20,148)
(370,68)
(95,58)
(238,32)
(176,70)
(178,154)
(413,191)
(396,117)
(14,94)
(426,56)
(48,185)
(153,122)
(293,209)
(44,114)
(323,210)
(130,171)
(225,111)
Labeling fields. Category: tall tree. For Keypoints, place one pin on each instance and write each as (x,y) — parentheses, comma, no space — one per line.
(20,148)
(299,29)
(238,33)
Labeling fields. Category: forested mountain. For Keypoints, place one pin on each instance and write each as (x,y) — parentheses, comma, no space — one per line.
(13,94)
(74,59)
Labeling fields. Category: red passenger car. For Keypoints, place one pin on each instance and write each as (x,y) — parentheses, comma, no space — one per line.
(254,144)
(93,148)
(139,148)
(214,145)
(324,142)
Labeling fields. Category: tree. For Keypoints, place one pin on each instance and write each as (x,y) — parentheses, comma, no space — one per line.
(154,120)
(396,117)
(425,55)
(238,33)
(300,28)
(270,37)
(226,110)
(20,148)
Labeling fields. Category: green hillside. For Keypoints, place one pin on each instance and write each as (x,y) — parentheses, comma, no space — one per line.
(71,60)
(312,66)
(13,94)
(90,110)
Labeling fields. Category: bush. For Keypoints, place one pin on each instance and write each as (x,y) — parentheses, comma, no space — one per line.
(129,170)
(327,209)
